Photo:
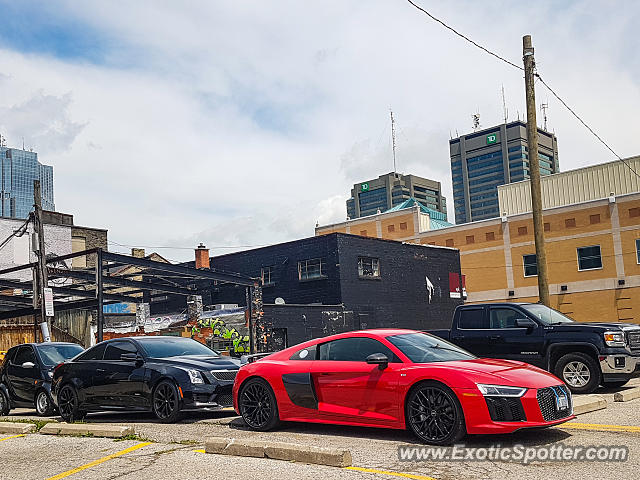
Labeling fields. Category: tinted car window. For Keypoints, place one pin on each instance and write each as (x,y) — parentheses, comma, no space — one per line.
(116,349)
(308,353)
(94,353)
(355,349)
(503,317)
(423,348)
(472,318)
(52,355)
(175,347)
(25,354)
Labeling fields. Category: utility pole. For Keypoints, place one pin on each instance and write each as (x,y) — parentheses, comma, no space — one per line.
(534,170)
(43,281)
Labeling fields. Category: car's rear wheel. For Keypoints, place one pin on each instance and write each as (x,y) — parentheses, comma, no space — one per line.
(44,405)
(579,371)
(68,405)
(258,405)
(5,404)
(434,414)
(166,403)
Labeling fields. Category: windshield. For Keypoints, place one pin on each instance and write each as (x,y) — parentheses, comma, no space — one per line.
(546,315)
(423,348)
(52,355)
(173,347)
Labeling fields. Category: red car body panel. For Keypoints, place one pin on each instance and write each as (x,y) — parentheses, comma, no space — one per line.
(357,393)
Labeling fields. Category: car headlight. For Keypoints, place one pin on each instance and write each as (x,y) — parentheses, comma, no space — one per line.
(500,390)
(614,339)
(195,376)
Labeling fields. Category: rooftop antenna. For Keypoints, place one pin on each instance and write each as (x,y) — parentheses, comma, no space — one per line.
(23,143)
(505,112)
(393,140)
(543,108)
(476,121)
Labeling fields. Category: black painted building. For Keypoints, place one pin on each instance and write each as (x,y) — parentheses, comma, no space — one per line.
(340,282)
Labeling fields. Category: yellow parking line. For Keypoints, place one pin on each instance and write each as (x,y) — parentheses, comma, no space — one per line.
(200,451)
(393,474)
(99,461)
(12,436)
(601,427)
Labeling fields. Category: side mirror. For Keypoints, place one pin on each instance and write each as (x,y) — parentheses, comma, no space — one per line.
(379,359)
(526,323)
(28,365)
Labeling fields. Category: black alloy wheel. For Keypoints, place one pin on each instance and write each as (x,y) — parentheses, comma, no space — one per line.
(68,405)
(166,404)
(434,414)
(5,406)
(44,405)
(258,405)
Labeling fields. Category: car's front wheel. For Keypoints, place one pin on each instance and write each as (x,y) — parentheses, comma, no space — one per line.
(434,414)
(258,405)
(5,404)
(68,405)
(44,405)
(166,403)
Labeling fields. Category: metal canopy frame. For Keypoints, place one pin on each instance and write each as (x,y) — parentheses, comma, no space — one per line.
(94,287)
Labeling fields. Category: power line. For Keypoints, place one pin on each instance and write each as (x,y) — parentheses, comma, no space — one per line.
(537,76)
(20,231)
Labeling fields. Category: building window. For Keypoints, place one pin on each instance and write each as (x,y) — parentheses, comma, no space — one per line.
(368,267)
(570,222)
(266,274)
(470,239)
(489,236)
(547,227)
(634,212)
(449,242)
(311,269)
(391,228)
(363,233)
(530,265)
(638,250)
(589,258)
(403,226)
(522,230)
(593,219)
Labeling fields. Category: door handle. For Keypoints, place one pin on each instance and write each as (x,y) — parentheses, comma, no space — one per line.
(100,370)
(495,337)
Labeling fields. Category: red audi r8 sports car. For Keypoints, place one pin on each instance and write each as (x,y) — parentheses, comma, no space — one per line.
(398,379)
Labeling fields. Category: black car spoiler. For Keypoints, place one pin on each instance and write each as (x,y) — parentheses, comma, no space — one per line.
(253,357)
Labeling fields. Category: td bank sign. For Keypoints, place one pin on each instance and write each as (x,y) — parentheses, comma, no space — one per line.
(491,139)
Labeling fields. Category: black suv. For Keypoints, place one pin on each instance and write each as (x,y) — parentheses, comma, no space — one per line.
(26,373)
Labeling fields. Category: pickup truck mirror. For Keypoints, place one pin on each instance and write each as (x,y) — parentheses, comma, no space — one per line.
(28,365)
(379,359)
(526,323)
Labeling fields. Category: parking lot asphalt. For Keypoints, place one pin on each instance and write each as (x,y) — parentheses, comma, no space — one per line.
(176,449)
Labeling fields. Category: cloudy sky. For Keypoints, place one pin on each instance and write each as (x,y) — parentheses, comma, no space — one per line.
(240,123)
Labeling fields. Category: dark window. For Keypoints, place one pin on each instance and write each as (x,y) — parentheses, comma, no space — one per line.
(470,239)
(530,265)
(363,233)
(449,242)
(52,355)
(634,212)
(308,353)
(638,249)
(116,349)
(95,353)
(403,225)
(589,257)
(570,222)
(472,318)
(547,227)
(311,269)
(25,354)
(503,317)
(175,347)
(355,349)
(368,267)
(266,273)
(391,228)
(522,230)
(489,236)
(423,348)
(594,218)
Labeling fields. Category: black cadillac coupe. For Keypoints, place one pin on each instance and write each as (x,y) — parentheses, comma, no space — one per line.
(164,375)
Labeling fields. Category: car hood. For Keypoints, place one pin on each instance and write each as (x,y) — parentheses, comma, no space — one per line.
(497,372)
(594,326)
(200,362)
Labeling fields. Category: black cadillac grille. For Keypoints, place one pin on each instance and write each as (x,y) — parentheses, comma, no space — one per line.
(224,400)
(634,340)
(505,409)
(547,403)
(224,375)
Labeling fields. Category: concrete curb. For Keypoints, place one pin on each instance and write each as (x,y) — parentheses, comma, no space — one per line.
(588,403)
(291,452)
(17,427)
(630,394)
(88,429)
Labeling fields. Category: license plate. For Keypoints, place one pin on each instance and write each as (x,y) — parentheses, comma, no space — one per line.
(562,402)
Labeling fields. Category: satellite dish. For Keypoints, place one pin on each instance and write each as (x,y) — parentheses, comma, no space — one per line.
(279,301)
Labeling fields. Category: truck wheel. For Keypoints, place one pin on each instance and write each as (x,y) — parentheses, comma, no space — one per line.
(579,371)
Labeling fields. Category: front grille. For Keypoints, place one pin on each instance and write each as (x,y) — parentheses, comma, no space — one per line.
(224,375)
(505,409)
(634,340)
(547,403)
(225,400)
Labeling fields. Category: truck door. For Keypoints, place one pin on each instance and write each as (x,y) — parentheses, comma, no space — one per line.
(471,331)
(511,342)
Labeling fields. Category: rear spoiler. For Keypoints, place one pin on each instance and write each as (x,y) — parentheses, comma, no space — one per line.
(244,359)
